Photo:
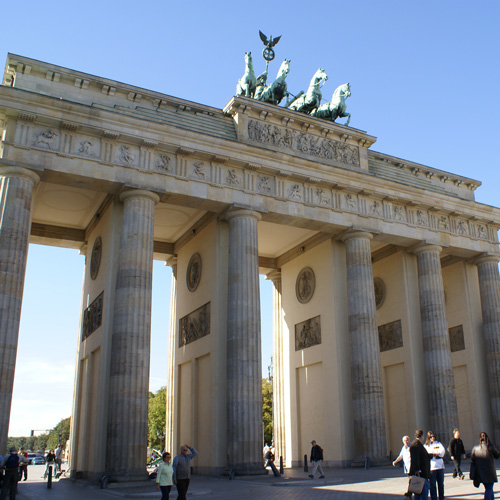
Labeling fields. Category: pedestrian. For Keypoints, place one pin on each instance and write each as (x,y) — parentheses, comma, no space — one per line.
(457,452)
(420,463)
(10,463)
(58,455)
(265,450)
(270,461)
(437,451)
(50,461)
(483,468)
(404,455)
(316,459)
(164,476)
(182,472)
(23,464)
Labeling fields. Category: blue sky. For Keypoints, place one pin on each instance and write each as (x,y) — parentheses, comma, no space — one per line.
(425,81)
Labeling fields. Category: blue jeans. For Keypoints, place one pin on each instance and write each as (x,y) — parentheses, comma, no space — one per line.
(437,476)
(165,492)
(488,491)
(425,492)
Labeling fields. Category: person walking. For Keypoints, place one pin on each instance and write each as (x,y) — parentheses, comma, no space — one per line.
(182,472)
(404,455)
(420,463)
(23,464)
(58,460)
(50,460)
(316,459)
(10,464)
(437,451)
(164,476)
(483,464)
(457,452)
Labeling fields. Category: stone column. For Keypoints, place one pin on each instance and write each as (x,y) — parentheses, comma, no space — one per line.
(172,348)
(440,385)
(489,288)
(131,339)
(16,193)
(279,429)
(366,373)
(244,368)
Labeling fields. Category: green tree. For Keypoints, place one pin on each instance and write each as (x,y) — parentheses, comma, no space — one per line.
(157,418)
(267,409)
(59,434)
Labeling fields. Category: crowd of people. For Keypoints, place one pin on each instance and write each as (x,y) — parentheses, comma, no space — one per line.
(424,458)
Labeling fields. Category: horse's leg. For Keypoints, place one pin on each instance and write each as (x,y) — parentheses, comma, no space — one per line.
(348,118)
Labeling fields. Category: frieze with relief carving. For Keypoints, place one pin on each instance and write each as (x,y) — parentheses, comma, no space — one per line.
(308,333)
(195,325)
(309,144)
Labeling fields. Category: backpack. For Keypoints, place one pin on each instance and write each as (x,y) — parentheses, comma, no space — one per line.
(12,462)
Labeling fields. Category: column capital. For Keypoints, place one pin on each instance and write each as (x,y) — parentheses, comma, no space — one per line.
(426,247)
(12,171)
(242,212)
(139,193)
(274,275)
(356,233)
(486,257)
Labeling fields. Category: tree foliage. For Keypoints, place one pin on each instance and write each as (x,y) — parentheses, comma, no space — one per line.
(157,419)
(45,441)
(267,409)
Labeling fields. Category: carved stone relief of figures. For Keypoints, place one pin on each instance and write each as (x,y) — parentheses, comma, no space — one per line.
(303,142)
(379,287)
(461,227)
(421,218)
(482,232)
(308,333)
(305,285)
(232,178)
(294,193)
(350,202)
(390,336)
(195,325)
(164,163)
(398,212)
(125,155)
(46,139)
(323,199)
(376,208)
(193,274)
(87,148)
(443,223)
(263,184)
(92,316)
(199,169)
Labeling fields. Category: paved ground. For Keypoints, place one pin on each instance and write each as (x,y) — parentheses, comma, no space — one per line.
(384,483)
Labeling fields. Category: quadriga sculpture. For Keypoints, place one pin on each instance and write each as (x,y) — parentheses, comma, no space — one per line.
(247,83)
(336,108)
(275,92)
(305,103)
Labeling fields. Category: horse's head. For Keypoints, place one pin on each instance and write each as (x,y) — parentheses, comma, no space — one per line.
(342,91)
(248,58)
(320,76)
(284,68)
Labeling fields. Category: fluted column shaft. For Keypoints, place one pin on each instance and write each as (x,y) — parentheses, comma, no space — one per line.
(278,369)
(366,373)
(443,413)
(489,289)
(172,342)
(131,339)
(244,380)
(16,193)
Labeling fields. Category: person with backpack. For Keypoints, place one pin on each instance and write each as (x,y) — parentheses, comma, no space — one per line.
(10,464)
(316,459)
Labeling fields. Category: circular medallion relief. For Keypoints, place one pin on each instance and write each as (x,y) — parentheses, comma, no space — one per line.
(193,274)
(95,258)
(305,284)
(379,287)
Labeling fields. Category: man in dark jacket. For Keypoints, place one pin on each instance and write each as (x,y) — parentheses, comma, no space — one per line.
(457,452)
(316,459)
(483,468)
(420,463)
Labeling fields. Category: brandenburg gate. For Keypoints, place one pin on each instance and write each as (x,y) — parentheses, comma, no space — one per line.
(385,274)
